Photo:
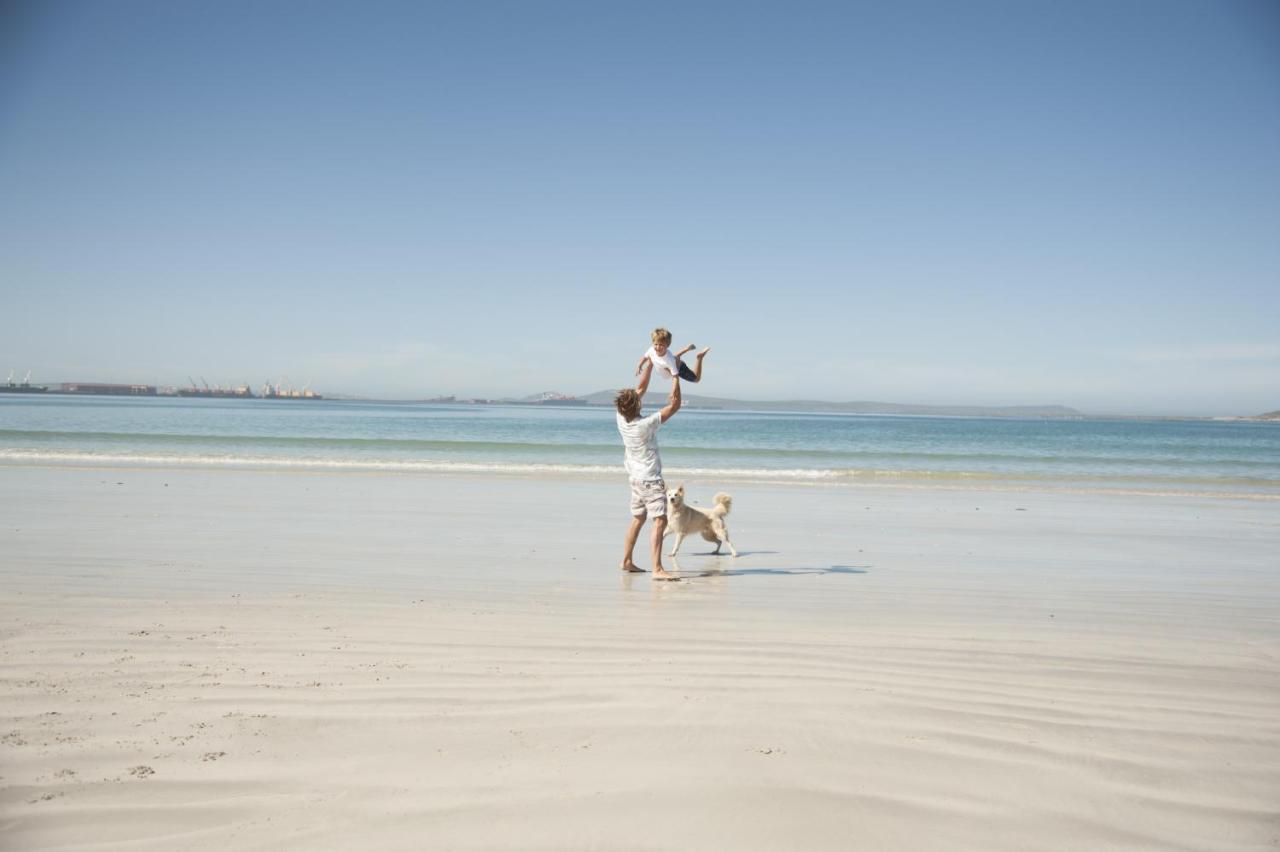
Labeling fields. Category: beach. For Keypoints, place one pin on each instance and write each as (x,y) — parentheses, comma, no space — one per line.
(269,659)
(324,409)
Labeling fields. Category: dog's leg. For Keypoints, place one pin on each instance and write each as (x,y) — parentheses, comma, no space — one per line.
(675,547)
(723,532)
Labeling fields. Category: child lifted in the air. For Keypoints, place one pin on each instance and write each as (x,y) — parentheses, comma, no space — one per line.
(661,356)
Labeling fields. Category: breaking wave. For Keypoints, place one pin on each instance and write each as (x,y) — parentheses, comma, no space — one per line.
(1236,487)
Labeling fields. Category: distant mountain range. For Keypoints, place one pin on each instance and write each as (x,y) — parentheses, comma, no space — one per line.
(653,398)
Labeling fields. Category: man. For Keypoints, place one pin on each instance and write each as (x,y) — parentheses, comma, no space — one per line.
(644,468)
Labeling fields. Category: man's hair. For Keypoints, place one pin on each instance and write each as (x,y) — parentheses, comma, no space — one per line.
(661,335)
(628,403)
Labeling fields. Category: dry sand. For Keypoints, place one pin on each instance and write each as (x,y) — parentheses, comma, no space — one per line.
(251,660)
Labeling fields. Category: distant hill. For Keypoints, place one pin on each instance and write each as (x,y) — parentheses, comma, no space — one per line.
(653,398)
(1270,415)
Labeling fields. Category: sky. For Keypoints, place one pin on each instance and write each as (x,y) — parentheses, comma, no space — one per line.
(994,203)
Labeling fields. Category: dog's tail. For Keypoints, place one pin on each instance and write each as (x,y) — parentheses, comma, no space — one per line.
(723,504)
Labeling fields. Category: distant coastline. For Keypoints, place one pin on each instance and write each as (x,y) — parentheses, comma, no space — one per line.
(808,406)
(604,398)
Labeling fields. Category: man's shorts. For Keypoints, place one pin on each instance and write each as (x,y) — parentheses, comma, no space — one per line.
(648,497)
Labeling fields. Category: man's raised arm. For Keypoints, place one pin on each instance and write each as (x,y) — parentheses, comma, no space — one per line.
(673,401)
(646,373)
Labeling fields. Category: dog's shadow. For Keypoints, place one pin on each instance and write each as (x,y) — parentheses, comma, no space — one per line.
(797,571)
(740,553)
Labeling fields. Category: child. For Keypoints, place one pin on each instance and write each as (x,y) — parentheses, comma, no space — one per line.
(660,355)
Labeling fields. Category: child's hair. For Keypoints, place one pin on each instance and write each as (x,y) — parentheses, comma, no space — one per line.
(628,403)
(661,335)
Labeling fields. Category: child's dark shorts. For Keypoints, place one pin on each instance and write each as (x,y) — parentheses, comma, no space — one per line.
(687,374)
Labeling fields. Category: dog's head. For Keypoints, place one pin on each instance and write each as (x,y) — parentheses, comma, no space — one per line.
(675,496)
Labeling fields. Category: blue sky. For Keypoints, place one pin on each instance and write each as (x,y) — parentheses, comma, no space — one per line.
(935,202)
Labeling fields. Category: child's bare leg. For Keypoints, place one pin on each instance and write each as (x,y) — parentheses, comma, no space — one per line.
(697,362)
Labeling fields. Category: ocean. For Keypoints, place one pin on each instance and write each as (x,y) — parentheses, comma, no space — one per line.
(1235,458)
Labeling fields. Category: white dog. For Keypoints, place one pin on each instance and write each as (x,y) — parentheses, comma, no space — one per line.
(683,520)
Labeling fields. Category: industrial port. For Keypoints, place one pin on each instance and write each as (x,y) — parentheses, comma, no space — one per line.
(269,390)
(25,386)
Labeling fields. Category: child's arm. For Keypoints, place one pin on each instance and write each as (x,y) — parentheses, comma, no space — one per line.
(644,359)
(685,350)
(646,373)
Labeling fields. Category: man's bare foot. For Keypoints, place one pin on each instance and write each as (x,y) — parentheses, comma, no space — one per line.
(631,567)
(703,353)
(660,573)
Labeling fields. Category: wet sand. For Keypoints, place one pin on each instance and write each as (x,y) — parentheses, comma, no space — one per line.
(260,660)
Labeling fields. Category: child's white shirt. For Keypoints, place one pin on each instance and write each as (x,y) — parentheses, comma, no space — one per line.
(667,362)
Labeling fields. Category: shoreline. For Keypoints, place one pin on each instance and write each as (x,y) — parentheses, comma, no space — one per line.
(1162,487)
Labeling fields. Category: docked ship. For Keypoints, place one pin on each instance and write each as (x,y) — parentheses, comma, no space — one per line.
(268,391)
(216,392)
(279,391)
(25,386)
(557,398)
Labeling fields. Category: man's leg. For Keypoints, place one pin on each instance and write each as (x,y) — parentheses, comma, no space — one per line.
(629,546)
(659,528)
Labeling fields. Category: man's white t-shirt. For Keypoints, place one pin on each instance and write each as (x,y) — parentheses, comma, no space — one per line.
(640,443)
(667,362)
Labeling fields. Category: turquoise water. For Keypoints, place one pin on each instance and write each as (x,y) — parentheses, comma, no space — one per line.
(1168,456)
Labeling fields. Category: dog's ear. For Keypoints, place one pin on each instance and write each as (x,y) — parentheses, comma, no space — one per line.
(680,489)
